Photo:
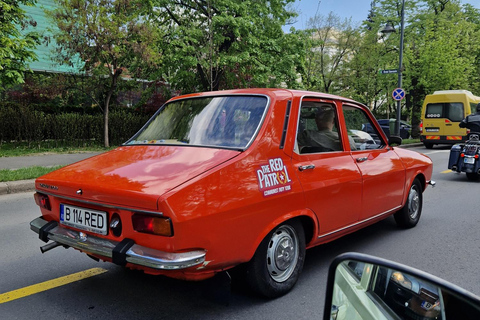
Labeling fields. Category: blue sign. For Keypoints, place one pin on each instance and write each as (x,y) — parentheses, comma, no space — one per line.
(398,94)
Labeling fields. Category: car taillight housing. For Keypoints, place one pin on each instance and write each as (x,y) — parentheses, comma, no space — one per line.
(421,126)
(42,201)
(153,225)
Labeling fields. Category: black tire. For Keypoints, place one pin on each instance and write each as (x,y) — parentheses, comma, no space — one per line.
(428,145)
(473,176)
(409,215)
(278,261)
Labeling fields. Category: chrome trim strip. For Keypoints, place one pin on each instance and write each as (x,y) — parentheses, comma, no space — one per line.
(137,254)
(359,222)
(98,203)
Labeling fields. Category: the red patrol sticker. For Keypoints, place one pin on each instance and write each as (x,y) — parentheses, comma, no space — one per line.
(273,178)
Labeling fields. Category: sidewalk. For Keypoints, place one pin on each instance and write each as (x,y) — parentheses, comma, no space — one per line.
(44,160)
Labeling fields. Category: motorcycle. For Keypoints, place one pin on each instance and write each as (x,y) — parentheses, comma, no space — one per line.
(464,157)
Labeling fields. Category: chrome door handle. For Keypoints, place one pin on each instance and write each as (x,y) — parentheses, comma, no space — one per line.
(362,159)
(308,167)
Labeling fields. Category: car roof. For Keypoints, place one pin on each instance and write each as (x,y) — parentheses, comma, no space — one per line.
(271,92)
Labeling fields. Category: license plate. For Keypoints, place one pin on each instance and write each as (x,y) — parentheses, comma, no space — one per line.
(83,218)
(469,160)
(432,129)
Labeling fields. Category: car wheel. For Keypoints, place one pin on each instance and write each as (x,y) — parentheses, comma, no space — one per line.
(428,145)
(409,215)
(473,176)
(278,261)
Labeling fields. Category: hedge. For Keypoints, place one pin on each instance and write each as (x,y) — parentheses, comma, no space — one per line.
(26,124)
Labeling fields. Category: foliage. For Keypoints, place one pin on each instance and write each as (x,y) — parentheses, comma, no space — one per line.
(16,47)
(222,44)
(330,47)
(109,37)
(22,123)
(441,52)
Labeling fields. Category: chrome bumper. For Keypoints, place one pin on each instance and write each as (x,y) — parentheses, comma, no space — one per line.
(136,254)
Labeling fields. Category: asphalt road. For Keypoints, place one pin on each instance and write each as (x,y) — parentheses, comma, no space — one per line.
(444,243)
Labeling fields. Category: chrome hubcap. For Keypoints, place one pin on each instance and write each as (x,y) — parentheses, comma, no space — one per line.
(282,253)
(413,203)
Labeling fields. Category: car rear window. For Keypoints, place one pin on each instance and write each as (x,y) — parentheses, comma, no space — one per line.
(450,110)
(222,121)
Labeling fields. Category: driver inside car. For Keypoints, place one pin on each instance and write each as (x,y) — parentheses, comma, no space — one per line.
(324,139)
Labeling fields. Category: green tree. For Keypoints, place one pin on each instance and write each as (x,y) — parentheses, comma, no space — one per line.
(221,44)
(331,46)
(16,47)
(440,52)
(111,37)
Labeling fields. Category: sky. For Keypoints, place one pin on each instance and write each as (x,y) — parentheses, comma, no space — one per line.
(355,9)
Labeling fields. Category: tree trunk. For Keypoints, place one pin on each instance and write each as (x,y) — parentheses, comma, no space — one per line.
(106,142)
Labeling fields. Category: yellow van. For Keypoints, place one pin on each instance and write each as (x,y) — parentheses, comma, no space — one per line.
(442,112)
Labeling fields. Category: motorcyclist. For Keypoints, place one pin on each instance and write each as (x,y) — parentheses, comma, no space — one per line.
(472,121)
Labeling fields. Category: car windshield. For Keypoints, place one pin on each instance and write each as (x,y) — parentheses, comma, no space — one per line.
(225,121)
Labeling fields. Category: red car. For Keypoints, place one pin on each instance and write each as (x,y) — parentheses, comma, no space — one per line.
(219,179)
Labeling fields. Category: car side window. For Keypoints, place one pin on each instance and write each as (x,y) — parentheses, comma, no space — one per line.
(406,295)
(356,268)
(318,128)
(361,129)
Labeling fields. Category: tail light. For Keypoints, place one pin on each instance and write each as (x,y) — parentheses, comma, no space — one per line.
(153,225)
(42,201)
(421,126)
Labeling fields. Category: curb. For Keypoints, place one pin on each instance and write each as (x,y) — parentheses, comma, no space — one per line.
(17,186)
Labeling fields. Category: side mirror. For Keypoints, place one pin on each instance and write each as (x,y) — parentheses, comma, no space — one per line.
(394,140)
(365,287)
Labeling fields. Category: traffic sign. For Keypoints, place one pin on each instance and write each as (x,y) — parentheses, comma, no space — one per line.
(398,94)
(389,71)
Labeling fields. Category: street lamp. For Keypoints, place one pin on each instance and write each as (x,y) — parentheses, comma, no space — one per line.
(389,29)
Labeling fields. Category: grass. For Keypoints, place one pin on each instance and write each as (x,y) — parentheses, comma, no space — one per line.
(409,141)
(25,173)
(23,149)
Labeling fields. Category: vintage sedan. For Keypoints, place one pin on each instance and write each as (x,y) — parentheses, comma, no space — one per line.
(249,177)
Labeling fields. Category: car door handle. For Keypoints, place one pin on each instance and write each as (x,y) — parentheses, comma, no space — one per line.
(307,167)
(362,159)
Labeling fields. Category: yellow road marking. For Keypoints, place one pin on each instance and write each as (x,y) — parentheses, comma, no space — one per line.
(446,171)
(50,284)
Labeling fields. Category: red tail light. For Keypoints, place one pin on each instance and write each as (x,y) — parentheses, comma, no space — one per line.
(421,126)
(154,225)
(42,201)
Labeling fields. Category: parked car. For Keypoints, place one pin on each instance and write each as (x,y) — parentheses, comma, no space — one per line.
(242,177)
(388,127)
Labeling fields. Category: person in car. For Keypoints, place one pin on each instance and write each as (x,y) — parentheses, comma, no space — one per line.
(325,138)
(472,121)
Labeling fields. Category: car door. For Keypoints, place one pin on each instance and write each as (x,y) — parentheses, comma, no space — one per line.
(329,177)
(383,173)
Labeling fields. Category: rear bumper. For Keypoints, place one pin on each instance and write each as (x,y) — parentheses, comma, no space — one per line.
(442,139)
(121,253)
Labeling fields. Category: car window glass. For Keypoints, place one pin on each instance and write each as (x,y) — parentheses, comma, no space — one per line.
(452,111)
(356,268)
(318,128)
(361,129)
(405,295)
(229,121)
